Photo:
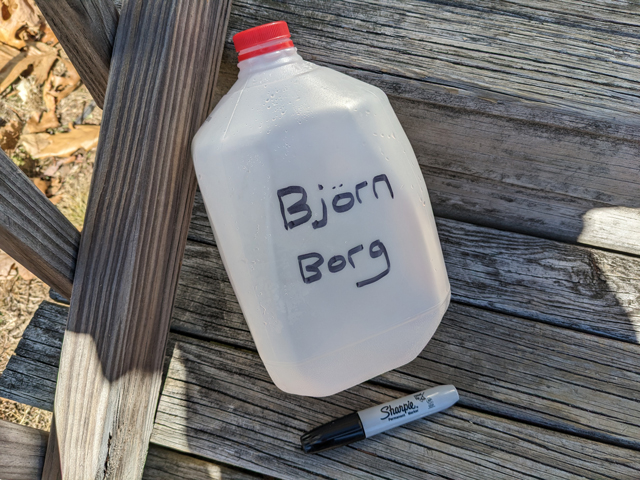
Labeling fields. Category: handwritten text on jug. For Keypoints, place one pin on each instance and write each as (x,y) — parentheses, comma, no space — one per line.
(310,263)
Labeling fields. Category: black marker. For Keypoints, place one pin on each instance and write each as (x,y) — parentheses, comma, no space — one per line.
(378,419)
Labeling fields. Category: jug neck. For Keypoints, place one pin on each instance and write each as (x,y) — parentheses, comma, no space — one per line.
(267,61)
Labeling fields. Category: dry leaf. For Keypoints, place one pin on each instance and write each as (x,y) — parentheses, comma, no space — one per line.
(41,145)
(23,89)
(47,120)
(25,274)
(47,34)
(53,168)
(64,170)
(9,54)
(59,86)
(19,19)
(10,135)
(43,48)
(42,66)
(42,185)
(64,144)
(6,265)
(33,143)
(40,62)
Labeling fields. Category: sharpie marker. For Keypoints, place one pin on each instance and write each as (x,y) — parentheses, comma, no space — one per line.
(378,419)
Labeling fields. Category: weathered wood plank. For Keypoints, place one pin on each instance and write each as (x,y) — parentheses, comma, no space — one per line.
(533,211)
(159,92)
(218,402)
(579,287)
(32,377)
(86,29)
(33,231)
(239,413)
(163,464)
(530,371)
(22,451)
(526,370)
(516,368)
(582,288)
(508,166)
(531,60)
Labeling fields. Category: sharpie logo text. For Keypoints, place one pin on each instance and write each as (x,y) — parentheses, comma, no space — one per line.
(405,408)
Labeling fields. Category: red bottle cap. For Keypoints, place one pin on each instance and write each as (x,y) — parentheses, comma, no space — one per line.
(262,39)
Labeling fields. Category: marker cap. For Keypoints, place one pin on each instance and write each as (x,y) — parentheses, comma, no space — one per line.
(334,434)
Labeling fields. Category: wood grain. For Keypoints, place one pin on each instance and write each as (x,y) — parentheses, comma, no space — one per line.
(159,92)
(22,451)
(582,288)
(163,464)
(33,231)
(534,60)
(218,402)
(86,29)
(516,368)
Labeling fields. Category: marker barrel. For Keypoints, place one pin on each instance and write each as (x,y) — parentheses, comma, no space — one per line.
(374,420)
(407,409)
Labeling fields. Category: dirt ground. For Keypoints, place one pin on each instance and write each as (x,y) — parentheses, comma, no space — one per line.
(49,127)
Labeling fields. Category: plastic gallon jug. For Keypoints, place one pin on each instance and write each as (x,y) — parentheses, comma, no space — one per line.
(322,218)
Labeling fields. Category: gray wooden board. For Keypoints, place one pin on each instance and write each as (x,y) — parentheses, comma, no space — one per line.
(219,402)
(163,464)
(517,368)
(33,231)
(518,175)
(575,286)
(496,163)
(519,56)
(22,452)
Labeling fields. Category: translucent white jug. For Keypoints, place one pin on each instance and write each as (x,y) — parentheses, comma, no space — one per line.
(322,218)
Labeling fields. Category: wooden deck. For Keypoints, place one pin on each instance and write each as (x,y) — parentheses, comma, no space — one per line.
(524,116)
